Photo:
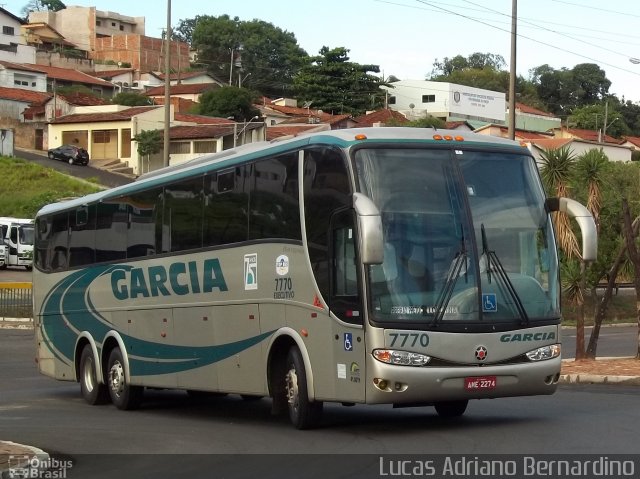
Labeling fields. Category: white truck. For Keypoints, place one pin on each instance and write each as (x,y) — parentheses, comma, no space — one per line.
(17,236)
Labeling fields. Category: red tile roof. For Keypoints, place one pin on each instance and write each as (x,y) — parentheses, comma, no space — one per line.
(66,74)
(591,135)
(83,99)
(552,143)
(533,111)
(182,75)
(18,66)
(315,119)
(201,119)
(108,116)
(380,116)
(274,132)
(634,140)
(22,95)
(108,74)
(182,89)
(192,132)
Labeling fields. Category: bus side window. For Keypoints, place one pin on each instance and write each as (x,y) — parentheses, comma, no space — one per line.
(345,297)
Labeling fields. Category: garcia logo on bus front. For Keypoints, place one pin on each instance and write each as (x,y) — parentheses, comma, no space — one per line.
(177,278)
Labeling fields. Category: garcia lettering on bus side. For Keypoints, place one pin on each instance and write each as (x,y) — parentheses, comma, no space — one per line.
(176,279)
(519,337)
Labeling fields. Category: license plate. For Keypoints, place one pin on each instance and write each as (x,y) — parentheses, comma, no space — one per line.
(480,382)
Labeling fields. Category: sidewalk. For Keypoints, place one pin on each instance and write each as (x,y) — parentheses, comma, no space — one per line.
(19,456)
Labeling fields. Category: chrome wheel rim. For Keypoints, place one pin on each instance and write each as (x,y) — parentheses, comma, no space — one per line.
(116,378)
(88,377)
(292,389)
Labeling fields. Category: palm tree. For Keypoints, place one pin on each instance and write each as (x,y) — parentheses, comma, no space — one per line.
(556,168)
(590,169)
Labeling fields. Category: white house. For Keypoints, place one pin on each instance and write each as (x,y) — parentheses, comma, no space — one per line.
(13,75)
(13,47)
(578,147)
(419,98)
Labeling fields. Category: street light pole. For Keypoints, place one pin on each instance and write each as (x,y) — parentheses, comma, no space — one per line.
(167,86)
(512,74)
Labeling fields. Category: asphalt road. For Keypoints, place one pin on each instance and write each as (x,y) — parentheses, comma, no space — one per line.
(176,436)
(103,177)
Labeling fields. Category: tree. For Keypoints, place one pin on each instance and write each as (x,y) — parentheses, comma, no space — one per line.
(42,5)
(256,53)
(428,122)
(184,31)
(149,142)
(339,86)
(129,98)
(475,61)
(564,90)
(556,171)
(592,117)
(228,102)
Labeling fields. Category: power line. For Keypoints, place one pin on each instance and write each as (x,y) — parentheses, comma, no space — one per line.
(529,38)
(552,31)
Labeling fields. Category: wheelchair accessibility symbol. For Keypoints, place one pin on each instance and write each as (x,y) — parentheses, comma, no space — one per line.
(348,342)
(489,303)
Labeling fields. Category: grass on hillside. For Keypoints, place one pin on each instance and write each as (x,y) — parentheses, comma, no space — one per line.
(621,309)
(26,187)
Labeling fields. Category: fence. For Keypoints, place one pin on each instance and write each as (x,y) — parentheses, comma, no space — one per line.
(15,301)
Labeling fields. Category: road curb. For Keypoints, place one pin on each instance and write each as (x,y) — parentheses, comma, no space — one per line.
(16,323)
(21,456)
(586,378)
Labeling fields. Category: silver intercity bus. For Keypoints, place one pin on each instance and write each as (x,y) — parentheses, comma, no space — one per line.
(400,266)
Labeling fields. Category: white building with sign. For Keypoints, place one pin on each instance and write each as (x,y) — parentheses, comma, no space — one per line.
(449,101)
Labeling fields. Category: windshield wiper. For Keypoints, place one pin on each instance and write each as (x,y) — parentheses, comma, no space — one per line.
(493,261)
(460,260)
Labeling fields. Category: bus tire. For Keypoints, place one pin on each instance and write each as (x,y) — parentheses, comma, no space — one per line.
(92,391)
(123,395)
(451,408)
(303,413)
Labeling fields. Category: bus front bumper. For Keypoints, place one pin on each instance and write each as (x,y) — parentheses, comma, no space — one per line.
(391,384)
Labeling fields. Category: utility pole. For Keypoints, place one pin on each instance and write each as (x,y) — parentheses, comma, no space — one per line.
(167,87)
(512,73)
(606,114)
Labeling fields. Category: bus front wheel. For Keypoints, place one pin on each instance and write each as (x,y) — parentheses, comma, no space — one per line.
(92,391)
(451,408)
(123,395)
(303,413)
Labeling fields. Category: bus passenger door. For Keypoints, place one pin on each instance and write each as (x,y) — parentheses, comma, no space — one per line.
(346,305)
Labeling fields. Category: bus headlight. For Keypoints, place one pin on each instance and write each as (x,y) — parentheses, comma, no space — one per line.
(545,352)
(401,358)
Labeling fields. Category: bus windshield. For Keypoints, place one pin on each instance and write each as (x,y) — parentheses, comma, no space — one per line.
(26,234)
(466,237)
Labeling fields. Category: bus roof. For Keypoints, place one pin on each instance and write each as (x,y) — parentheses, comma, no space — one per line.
(235,156)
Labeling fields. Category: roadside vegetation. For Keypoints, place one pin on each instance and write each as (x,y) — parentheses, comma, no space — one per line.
(26,187)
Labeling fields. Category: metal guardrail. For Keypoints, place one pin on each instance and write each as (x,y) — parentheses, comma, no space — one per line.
(15,301)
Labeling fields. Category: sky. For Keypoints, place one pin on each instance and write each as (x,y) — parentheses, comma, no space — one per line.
(405,37)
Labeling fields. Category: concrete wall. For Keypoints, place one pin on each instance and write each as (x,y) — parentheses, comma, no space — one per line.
(24,134)
(52,59)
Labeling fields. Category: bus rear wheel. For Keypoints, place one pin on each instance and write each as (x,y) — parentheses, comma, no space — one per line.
(123,395)
(451,408)
(92,391)
(303,413)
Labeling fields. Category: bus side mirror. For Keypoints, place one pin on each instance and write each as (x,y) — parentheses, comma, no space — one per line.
(371,244)
(585,221)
